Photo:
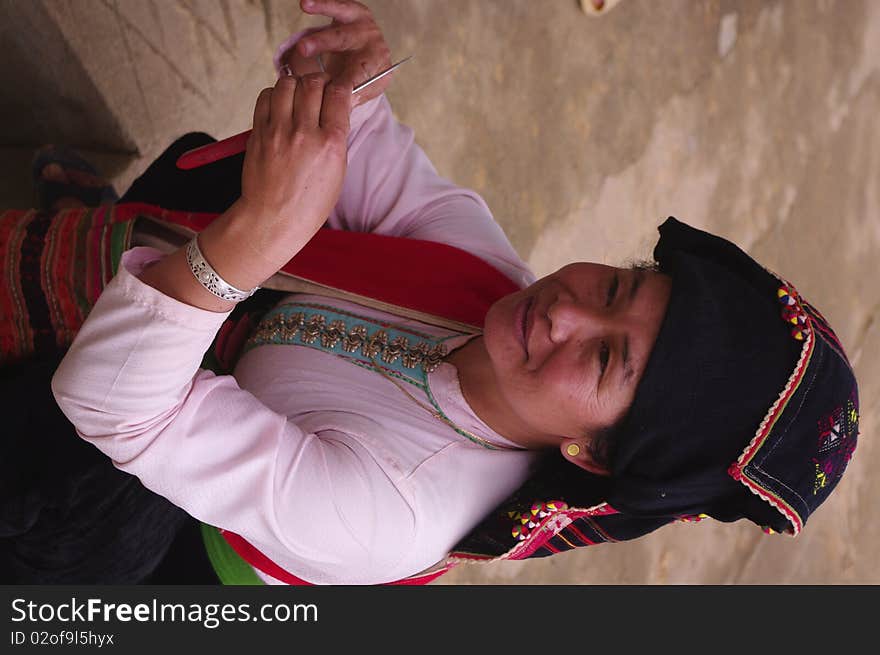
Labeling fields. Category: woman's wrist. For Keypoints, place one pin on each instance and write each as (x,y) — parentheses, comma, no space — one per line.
(241,246)
(252,245)
(172,276)
(209,278)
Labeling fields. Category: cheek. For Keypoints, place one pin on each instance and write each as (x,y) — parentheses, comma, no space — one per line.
(564,384)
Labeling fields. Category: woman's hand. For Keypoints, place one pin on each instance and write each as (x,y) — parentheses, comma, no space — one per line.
(352,47)
(296,156)
(292,177)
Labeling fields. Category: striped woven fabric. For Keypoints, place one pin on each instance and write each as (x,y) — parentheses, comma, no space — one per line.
(54,268)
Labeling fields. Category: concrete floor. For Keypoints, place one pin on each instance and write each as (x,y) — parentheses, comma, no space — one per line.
(753,119)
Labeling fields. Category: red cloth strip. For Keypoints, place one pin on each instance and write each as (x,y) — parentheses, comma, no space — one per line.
(427,276)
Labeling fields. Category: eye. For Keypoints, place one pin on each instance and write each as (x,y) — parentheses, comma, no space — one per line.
(604,354)
(612,290)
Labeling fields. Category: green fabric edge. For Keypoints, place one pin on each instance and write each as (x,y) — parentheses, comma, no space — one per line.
(230,568)
(120,240)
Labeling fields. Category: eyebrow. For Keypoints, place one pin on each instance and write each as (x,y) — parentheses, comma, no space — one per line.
(628,371)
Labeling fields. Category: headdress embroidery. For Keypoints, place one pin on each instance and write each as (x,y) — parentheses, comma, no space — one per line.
(525,522)
(837,431)
(835,444)
(793,312)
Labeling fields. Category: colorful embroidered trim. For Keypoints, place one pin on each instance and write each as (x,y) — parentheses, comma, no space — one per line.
(836,444)
(695,518)
(334,330)
(525,522)
(793,312)
(558,523)
(789,298)
(364,342)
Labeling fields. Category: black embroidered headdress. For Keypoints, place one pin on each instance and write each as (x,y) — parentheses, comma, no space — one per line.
(748,408)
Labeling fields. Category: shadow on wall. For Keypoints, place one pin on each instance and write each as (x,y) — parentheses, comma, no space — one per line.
(48,97)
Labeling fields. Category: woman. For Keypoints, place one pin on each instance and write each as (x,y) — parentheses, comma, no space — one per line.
(335,456)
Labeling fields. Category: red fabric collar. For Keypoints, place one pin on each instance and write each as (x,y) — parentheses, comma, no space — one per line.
(427,276)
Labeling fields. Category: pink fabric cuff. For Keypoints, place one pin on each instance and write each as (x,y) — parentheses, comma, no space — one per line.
(133,263)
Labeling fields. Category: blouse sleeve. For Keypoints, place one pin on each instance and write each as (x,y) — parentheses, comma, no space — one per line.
(392,188)
(132,386)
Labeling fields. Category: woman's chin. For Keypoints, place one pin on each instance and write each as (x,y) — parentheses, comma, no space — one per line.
(502,340)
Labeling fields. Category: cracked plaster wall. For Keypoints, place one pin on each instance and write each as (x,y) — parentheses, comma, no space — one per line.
(755,119)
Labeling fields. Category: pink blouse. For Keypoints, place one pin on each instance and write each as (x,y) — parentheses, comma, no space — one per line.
(327,467)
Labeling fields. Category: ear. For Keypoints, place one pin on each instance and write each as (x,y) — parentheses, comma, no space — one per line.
(576,452)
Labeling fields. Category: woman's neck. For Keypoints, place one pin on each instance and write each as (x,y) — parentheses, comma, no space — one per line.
(479,386)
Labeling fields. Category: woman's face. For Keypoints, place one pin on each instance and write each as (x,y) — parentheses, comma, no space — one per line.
(568,352)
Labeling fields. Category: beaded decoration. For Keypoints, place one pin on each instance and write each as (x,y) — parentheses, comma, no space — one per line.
(793,312)
(282,326)
(392,351)
(525,522)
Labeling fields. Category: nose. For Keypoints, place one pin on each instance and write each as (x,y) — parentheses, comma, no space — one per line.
(570,318)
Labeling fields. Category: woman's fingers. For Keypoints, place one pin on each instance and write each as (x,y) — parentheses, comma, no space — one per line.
(345,11)
(307,103)
(262,108)
(353,45)
(338,37)
(300,64)
(336,108)
(304,103)
(282,102)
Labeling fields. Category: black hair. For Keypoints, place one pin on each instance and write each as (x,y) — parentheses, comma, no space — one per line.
(599,445)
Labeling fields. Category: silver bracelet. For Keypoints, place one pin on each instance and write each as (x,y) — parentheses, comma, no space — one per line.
(208,277)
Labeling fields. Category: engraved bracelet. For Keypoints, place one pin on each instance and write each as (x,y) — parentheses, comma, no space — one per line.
(208,277)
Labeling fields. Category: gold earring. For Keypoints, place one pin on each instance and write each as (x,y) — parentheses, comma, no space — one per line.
(573,450)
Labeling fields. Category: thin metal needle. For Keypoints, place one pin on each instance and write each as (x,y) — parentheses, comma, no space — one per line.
(235,144)
(380,75)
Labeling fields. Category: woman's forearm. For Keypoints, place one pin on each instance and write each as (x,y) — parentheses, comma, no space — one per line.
(291,178)
(245,250)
